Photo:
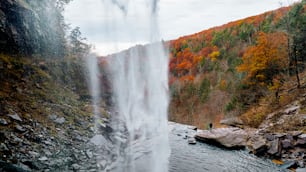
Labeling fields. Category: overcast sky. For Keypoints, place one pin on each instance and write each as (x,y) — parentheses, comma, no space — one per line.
(113,25)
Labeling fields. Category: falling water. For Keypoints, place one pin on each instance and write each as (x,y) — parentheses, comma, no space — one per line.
(94,83)
(140,83)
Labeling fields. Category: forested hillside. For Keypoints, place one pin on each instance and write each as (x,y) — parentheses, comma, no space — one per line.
(247,67)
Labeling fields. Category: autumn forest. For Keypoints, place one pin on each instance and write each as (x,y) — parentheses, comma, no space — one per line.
(233,69)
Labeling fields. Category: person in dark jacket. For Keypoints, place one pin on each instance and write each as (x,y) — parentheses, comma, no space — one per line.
(210,126)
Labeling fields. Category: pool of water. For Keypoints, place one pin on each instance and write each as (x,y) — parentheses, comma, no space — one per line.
(206,158)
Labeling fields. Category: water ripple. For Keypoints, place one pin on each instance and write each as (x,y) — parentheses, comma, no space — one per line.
(205,158)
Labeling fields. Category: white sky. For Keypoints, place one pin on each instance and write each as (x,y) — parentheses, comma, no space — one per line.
(110,29)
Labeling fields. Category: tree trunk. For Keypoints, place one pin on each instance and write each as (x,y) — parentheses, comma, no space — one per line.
(296,68)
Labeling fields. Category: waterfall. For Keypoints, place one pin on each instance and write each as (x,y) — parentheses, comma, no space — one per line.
(94,85)
(140,85)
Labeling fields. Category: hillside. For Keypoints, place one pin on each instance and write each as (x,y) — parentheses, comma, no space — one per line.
(232,69)
(249,70)
(46,120)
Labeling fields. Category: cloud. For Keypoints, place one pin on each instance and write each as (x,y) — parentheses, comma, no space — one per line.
(107,22)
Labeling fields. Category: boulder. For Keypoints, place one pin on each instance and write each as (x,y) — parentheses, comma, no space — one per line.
(20,128)
(192,141)
(270,137)
(301,141)
(291,110)
(15,116)
(235,121)
(286,144)
(275,148)
(295,133)
(258,145)
(226,137)
(192,128)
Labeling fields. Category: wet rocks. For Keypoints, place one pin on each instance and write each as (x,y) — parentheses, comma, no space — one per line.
(15,116)
(5,166)
(3,121)
(44,158)
(60,120)
(258,145)
(29,145)
(226,137)
(56,119)
(192,141)
(20,128)
(301,141)
(98,140)
(288,164)
(287,147)
(287,143)
(275,148)
(291,110)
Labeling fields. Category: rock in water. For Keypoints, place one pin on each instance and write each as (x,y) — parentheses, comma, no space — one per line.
(227,137)
(192,141)
(288,164)
(258,145)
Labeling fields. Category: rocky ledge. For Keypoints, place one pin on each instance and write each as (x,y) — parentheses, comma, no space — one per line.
(31,146)
(228,137)
(287,149)
(280,137)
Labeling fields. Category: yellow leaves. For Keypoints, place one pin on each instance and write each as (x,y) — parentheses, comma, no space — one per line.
(260,77)
(223,84)
(275,84)
(278,162)
(214,55)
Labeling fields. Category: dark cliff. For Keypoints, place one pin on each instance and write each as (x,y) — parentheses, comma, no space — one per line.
(31,28)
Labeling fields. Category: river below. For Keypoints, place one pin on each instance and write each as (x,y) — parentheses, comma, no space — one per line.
(206,158)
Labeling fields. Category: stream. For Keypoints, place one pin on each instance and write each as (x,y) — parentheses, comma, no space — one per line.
(206,158)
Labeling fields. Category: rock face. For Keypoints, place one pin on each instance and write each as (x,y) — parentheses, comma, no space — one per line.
(227,137)
(31,27)
(235,121)
(287,147)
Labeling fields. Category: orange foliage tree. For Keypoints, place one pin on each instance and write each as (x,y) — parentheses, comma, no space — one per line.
(265,60)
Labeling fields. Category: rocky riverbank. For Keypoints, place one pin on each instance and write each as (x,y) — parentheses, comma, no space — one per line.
(280,137)
(31,146)
(46,120)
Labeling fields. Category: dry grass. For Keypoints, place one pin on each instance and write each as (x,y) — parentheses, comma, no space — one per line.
(34,92)
(289,93)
